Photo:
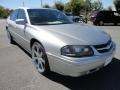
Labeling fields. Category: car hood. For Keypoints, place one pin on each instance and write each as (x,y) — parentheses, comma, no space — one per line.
(76,34)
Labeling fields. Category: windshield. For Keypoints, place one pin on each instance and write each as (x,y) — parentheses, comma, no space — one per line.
(47,17)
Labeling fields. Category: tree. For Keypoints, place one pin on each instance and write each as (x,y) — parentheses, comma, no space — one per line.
(67,7)
(46,6)
(77,6)
(59,5)
(4,12)
(117,5)
(97,5)
(1,11)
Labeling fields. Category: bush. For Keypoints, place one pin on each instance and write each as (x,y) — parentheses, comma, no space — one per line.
(4,12)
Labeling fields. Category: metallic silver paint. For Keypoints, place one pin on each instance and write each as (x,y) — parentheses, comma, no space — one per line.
(54,37)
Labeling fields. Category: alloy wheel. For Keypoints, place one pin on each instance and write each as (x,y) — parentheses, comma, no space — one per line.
(38,57)
(101,23)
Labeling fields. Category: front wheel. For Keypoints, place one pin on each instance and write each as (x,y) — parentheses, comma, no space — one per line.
(39,58)
(115,24)
(94,23)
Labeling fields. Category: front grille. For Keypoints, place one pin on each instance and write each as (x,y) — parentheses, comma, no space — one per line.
(103,48)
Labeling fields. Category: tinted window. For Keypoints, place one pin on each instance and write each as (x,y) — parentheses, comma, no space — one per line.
(106,14)
(47,17)
(13,15)
(21,14)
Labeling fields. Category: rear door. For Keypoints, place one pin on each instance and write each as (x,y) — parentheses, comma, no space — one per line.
(11,24)
(108,17)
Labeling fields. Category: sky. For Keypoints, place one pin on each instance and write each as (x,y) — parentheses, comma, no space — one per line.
(12,4)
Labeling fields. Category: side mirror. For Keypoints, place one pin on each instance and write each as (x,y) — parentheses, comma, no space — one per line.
(20,21)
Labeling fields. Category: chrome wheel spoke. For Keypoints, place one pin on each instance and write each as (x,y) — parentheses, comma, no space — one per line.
(38,60)
(36,53)
(41,59)
(41,65)
(35,58)
(38,48)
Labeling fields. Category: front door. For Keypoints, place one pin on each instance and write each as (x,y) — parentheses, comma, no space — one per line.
(21,30)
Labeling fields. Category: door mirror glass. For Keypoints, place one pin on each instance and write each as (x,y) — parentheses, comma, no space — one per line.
(20,21)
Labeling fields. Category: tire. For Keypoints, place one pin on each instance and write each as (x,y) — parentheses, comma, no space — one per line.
(115,24)
(101,23)
(11,41)
(95,24)
(39,58)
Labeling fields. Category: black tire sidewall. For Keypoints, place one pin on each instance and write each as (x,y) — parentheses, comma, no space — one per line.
(10,37)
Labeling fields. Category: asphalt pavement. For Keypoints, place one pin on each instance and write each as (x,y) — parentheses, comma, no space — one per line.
(18,73)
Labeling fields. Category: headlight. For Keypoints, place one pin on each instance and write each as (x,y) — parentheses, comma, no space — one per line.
(76,51)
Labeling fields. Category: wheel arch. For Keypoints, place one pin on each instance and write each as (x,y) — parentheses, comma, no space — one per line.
(35,40)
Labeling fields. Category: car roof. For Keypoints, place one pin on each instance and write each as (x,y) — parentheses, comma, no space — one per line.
(25,8)
(107,11)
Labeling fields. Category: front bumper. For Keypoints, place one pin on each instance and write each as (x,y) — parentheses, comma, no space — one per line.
(79,66)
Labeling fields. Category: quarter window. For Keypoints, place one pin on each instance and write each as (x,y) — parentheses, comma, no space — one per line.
(13,15)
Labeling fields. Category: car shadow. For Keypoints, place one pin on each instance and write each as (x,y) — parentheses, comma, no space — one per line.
(108,78)
(22,49)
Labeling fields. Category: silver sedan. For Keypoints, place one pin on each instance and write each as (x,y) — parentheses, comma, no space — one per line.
(57,44)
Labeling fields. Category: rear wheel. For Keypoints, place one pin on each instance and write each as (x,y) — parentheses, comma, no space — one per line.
(10,38)
(101,23)
(39,58)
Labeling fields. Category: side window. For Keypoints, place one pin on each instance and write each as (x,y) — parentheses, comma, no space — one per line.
(21,14)
(13,15)
(107,14)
